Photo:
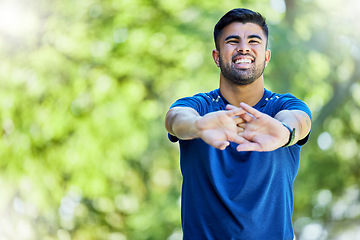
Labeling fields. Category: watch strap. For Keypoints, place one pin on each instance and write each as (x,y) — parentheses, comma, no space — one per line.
(291,136)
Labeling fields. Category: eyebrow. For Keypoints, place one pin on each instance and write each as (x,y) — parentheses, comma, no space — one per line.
(255,36)
(232,36)
(238,37)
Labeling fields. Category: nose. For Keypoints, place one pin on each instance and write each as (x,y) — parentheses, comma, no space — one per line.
(243,47)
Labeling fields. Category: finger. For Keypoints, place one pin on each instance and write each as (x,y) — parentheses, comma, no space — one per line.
(238,139)
(250,110)
(235,111)
(240,132)
(238,120)
(248,146)
(230,107)
(241,125)
(247,117)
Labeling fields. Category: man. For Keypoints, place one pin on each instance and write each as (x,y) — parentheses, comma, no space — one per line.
(239,144)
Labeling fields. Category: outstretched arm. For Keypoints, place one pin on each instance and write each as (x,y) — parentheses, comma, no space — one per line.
(264,133)
(217,129)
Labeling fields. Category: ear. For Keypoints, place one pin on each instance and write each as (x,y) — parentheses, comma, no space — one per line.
(215,55)
(267,56)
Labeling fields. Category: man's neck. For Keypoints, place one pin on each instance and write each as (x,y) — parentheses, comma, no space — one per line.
(250,94)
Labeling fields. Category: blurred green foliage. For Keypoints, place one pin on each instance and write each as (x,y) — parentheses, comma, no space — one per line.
(85,85)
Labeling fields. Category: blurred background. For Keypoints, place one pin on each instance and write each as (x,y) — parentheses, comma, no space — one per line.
(84,88)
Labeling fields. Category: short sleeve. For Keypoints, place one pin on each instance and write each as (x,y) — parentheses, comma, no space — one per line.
(290,102)
(198,102)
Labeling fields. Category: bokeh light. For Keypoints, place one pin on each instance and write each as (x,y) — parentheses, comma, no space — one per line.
(16,20)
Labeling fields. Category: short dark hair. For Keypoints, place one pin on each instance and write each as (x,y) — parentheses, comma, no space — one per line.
(242,15)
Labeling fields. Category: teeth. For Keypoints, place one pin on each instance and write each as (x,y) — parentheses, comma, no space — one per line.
(243,60)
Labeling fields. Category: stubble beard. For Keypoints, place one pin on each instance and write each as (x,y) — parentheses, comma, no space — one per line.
(240,76)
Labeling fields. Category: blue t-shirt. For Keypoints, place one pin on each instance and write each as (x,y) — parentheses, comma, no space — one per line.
(228,194)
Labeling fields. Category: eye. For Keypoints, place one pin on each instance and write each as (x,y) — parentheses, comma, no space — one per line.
(232,41)
(254,41)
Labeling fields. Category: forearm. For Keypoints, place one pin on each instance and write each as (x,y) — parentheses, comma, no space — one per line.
(296,119)
(181,122)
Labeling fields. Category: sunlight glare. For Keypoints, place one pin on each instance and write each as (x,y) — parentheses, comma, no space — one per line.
(15,19)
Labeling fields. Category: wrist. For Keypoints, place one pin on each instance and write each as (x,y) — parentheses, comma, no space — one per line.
(197,127)
(186,128)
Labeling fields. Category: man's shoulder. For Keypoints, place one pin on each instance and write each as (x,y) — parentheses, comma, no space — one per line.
(201,102)
(276,95)
(285,101)
(208,96)
(276,98)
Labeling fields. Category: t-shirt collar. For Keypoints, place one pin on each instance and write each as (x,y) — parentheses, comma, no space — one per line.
(262,101)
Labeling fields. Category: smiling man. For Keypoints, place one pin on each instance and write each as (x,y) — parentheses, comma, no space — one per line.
(239,144)
(243,71)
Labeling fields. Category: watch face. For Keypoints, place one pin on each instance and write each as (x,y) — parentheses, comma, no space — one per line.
(292,136)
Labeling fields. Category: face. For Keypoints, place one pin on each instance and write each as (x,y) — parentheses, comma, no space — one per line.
(242,56)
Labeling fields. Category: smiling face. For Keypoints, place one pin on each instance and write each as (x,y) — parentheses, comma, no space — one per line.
(242,54)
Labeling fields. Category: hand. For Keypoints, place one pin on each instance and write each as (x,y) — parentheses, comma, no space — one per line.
(220,128)
(259,131)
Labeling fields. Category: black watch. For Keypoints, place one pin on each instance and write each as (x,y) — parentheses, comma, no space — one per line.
(292,135)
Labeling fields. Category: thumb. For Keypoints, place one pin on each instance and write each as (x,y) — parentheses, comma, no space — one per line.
(221,144)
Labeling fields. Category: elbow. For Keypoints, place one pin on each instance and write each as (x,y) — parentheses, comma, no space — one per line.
(169,119)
